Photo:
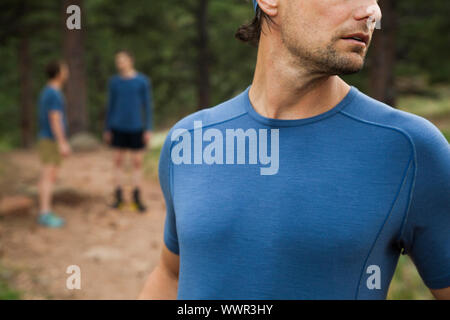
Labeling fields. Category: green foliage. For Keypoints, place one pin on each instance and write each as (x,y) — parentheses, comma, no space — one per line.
(163,36)
(424,38)
(435,107)
(151,158)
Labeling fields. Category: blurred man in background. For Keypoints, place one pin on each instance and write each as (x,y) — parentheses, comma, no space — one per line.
(128,124)
(52,145)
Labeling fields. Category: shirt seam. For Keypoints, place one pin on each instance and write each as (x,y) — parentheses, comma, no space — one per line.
(171,146)
(320,117)
(402,184)
(414,151)
(413,158)
(221,122)
(171,171)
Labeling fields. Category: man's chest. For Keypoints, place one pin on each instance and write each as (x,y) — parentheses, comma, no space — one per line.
(128,90)
(321,197)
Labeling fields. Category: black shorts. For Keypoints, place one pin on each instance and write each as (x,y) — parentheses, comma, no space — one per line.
(127,140)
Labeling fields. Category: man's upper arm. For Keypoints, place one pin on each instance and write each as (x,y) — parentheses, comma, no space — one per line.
(148,103)
(54,116)
(165,179)
(170,262)
(53,102)
(426,233)
(441,294)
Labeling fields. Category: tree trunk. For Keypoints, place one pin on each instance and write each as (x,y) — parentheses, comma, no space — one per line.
(73,47)
(203,57)
(26,98)
(383,54)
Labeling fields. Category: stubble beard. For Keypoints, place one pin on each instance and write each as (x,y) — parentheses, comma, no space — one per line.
(327,60)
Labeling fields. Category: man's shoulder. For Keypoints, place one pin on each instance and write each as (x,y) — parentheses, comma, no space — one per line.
(223,112)
(49,93)
(141,79)
(418,130)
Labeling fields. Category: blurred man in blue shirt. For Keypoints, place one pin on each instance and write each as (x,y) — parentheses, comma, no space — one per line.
(128,123)
(52,145)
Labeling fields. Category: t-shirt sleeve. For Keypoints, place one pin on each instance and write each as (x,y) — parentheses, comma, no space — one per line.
(426,233)
(53,102)
(147,97)
(165,180)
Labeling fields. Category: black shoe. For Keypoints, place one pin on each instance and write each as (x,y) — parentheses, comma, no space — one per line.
(137,204)
(118,202)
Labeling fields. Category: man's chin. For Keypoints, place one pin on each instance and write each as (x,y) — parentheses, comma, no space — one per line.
(350,64)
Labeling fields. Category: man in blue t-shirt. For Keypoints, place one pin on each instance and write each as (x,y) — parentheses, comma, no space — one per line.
(128,124)
(302,187)
(52,145)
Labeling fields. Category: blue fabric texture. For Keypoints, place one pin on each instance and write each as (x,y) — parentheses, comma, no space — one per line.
(130,104)
(356,186)
(50,99)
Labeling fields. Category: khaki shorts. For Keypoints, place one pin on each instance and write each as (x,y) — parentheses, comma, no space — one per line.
(48,152)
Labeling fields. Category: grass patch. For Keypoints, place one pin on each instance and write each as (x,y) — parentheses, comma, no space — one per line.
(6,292)
(7,144)
(424,106)
(407,284)
(435,105)
(151,158)
(446,133)
(151,161)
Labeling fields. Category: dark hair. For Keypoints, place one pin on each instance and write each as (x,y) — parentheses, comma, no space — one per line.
(126,52)
(53,68)
(251,32)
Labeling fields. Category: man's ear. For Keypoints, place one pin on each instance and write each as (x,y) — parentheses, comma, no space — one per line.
(270,7)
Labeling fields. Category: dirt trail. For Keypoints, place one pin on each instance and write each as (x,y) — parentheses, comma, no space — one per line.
(115,250)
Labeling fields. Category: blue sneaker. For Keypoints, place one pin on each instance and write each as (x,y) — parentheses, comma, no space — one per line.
(50,220)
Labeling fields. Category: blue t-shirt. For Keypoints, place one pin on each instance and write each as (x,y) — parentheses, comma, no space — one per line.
(316,208)
(50,99)
(129,104)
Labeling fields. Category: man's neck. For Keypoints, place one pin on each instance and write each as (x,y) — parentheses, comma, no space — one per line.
(283,89)
(55,84)
(128,74)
